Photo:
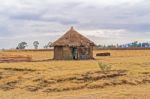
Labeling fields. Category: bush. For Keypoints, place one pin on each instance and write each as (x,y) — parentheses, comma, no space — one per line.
(104,67)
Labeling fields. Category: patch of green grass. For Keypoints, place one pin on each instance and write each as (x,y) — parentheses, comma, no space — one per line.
(104,67)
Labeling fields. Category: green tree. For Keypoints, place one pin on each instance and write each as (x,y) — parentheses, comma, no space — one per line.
(36,44)
(21,45)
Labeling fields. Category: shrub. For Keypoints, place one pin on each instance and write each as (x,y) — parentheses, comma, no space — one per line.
(104,67)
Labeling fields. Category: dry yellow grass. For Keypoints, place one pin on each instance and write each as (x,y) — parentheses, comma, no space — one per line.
(50,79)
(36,55)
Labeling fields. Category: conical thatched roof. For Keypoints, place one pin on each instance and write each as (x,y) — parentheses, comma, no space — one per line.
(73,38)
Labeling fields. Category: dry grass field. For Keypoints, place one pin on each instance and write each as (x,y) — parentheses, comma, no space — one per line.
(44,78)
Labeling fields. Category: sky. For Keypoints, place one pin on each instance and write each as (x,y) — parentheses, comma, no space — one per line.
(102,21)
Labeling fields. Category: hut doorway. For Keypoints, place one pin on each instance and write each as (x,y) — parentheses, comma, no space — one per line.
(74,53)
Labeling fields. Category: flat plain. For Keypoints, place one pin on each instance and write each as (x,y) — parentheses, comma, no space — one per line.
(44,78)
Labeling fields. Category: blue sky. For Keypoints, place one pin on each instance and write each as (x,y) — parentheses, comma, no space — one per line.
(103,21)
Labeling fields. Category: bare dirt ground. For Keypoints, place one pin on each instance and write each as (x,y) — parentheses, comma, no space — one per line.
(128,79)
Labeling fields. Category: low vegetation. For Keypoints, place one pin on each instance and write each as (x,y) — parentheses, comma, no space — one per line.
(105,68)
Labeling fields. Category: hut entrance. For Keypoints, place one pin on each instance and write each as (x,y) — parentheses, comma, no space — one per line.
(75,53)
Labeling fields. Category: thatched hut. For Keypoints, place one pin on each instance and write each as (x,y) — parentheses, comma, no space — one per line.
(73,46)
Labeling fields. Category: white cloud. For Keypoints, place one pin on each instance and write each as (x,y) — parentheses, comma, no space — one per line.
(104,21)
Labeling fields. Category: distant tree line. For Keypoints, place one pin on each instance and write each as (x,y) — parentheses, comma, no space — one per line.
(134,44)
(23,45)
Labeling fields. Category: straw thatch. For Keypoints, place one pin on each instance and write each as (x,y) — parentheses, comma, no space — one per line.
(73,38)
